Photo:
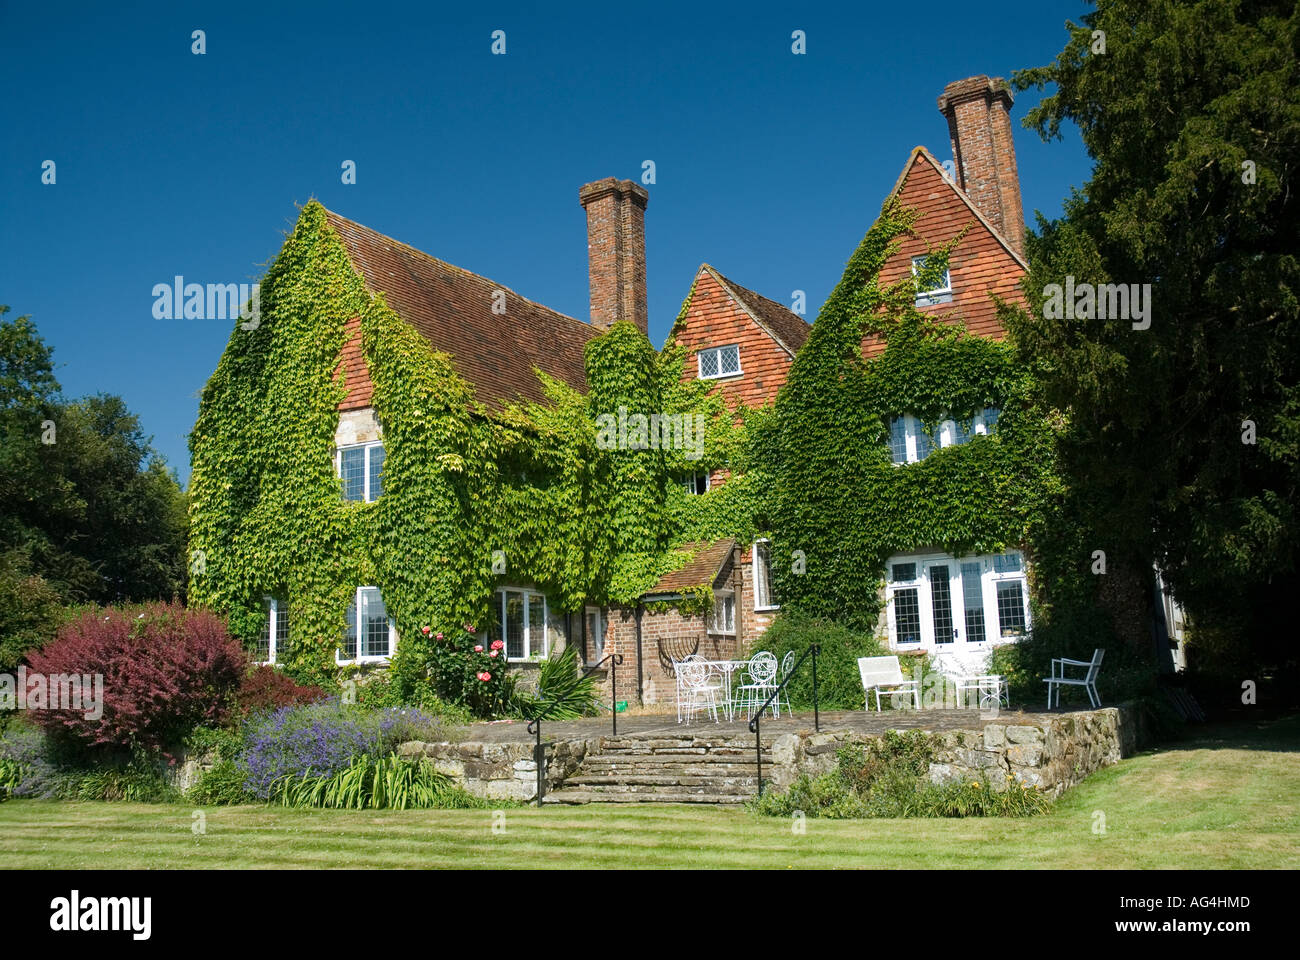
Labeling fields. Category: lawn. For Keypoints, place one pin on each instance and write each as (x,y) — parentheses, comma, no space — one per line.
(1224,797)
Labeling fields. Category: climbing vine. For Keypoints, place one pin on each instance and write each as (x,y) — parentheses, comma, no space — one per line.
(532,493)
(837,506)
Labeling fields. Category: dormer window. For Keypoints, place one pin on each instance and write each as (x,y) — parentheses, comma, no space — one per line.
(938,294)
(718,362)
(361,467)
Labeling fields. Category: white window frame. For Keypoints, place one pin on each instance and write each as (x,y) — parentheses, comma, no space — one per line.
(938,294)
(989,580)
(530,655)
(689,482)
(721,600)
(368,473)
(596,645)
(945,434)
(763,565)
(738,372)
(273,611)
(392,634)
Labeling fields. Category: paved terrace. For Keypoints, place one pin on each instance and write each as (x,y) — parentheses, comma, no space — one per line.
(652,726)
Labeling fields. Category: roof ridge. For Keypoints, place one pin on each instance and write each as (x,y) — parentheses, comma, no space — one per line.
(331,214)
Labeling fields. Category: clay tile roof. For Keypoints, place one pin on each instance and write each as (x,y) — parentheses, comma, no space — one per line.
(786,325)
(701,570)
(452,308)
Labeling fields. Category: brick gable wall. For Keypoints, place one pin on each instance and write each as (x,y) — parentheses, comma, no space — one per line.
(980,266)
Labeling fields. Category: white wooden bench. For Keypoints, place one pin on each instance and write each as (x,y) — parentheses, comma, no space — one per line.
(885,673)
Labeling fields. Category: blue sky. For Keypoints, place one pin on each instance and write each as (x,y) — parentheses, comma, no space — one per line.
(769,166)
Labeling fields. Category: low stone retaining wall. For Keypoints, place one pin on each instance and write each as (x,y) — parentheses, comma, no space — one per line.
(1052,756)
(502,771)
(1052,752)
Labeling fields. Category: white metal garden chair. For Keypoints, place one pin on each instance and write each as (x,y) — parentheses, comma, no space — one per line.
(1088,681)
(697,689)
(885,673)
(787,667)
(761,676)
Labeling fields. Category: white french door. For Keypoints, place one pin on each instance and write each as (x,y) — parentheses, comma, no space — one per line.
(939,602)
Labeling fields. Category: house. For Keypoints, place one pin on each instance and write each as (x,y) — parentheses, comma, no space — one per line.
(718,598)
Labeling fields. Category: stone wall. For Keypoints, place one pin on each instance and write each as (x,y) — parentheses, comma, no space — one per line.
(502,771)
(1053,755)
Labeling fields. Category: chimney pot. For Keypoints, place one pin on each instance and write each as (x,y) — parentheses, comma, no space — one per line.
(979,123)
(616,251)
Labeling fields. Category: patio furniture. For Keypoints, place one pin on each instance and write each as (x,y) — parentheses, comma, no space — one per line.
(787,667)
(697,689)
(885,673)
(991,688)
(1088,681)
(761,673)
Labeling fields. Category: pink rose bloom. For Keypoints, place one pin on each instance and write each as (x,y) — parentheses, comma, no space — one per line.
(486,675)
(478,648)
(440,636)
(493,653)
(425,631)
(469,627)
(497,644)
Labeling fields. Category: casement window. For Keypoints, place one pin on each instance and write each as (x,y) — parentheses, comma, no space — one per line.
(368,635)
(697,483)
(597,624)
(723,617)
(763,577)
(944,602)
(720,362)
(361,468)
(938,294)
(273,644)
(524,623)
(910,442)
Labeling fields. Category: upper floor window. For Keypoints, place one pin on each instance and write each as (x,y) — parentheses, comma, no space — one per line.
(910,442)
(697,483)
(939,294)
(719,362)
(763,576)
(368,635)
(361,466)
(273,644)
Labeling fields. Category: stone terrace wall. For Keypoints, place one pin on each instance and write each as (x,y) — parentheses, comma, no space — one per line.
(1053,756)
(502,770)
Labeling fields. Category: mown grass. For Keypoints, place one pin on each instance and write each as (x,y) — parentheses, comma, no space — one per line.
(1224,798)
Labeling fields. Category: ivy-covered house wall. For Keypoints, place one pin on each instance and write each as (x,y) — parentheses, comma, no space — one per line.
(874,458)
(541,493)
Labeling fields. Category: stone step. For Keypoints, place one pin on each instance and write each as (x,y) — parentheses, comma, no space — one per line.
(617,770)
(568,796)
(680,745)
(673,759)
(714,783)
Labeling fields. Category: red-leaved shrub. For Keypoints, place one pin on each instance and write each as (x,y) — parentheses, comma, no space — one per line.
(165,670)
(266,688)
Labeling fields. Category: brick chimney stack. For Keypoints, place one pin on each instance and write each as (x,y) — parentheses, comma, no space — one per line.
(616,251)
(979,122)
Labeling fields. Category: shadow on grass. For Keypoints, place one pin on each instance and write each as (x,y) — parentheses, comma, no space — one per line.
(1278,735)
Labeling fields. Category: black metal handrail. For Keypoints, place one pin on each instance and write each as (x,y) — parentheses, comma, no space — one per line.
(535,724)
(755,725)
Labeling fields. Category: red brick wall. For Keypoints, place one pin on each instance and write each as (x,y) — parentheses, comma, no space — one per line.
(352,369)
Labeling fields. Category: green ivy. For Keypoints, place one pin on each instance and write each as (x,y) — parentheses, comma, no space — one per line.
(837,506)
(581,523)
